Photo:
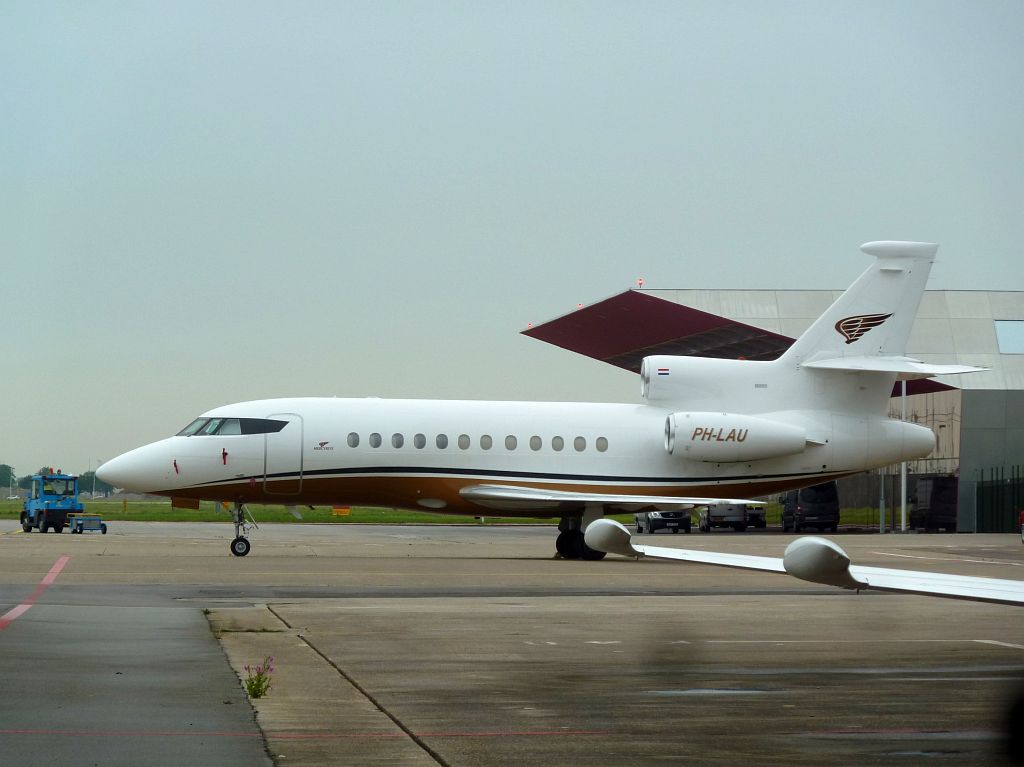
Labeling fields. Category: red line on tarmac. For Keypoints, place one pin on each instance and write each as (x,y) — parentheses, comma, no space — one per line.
(293,736)
(49,578)
(129,734)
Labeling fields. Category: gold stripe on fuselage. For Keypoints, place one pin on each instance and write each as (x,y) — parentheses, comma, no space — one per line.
(406,492)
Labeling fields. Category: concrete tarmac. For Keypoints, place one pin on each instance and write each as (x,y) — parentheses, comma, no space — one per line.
(475,646)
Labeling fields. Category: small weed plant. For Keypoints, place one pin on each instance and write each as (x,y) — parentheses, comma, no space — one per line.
(257,678)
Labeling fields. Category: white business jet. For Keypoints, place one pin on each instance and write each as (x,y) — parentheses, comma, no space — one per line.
(708,429)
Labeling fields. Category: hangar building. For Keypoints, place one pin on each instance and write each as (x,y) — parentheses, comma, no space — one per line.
(979,418)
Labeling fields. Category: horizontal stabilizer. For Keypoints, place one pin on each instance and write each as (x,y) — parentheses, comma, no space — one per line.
(818,560)
(906,368)
(520,498)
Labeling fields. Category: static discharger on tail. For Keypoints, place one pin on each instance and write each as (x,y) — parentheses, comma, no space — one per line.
(706,431)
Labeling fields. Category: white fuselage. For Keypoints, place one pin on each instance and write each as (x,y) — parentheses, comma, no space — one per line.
(420,453)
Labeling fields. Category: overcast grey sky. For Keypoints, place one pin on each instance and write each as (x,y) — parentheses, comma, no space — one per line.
(208,202)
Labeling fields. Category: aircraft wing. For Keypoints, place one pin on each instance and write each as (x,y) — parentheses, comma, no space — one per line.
(818,560)
(522,498)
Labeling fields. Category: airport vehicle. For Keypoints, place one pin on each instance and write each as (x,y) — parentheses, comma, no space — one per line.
(815,506)
(936,503)
(653,521)
(738,516)
(707,429)
(52,497)
(81,523)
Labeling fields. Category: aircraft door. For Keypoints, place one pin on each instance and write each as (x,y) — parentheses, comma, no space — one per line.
(282,464)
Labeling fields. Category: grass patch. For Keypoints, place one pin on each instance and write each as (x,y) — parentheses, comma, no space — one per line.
(161,511)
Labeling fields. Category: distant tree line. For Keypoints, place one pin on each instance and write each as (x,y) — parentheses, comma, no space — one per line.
(85,480)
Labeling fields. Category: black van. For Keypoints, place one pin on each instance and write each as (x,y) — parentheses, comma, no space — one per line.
(936,503)
(815,506)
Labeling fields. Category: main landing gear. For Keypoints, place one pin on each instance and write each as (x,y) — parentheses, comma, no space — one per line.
(240,545)
(570,543)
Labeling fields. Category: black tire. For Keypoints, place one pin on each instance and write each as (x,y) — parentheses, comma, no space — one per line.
(591,555)
(26,526)
(58,528)
(43,527)
(103,527)
(796,526)
(740,528)
(687,529)
(563,545)
(639,529)
(240,546)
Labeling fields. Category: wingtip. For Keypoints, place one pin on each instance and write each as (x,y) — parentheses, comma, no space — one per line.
(611,537)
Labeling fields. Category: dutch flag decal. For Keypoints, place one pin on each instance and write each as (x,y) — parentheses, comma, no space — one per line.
(663,371)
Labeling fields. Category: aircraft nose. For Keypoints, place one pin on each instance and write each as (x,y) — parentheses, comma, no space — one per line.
(130,471)
(112,472)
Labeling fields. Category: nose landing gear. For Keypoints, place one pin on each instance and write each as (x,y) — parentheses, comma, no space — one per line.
(240,545)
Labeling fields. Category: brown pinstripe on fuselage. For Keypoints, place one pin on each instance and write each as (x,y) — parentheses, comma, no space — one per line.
(405,491)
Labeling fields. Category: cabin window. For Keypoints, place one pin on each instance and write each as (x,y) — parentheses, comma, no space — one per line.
(230,426)
(420,441)
(375,440)
(397,440)
(441,441)
(486,441)
(601,444)
(580,443)
(535,442)
(510,442)
(353,439)
(464,442)
(557,443)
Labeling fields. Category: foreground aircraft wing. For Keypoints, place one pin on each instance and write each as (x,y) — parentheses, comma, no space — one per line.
(818,560)
(521,498)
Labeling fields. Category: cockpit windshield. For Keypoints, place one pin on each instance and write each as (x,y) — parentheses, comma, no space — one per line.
(193,427)
(205,427)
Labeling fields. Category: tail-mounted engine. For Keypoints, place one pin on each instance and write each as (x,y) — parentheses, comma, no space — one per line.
(730,437)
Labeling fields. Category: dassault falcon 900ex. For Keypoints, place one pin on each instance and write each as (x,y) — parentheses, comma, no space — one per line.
(706,428)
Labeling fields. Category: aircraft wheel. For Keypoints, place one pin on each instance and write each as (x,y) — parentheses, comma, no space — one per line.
(240,546)
(563,545)
(591,555)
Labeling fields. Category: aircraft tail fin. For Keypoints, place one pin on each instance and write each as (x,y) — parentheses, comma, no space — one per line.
(874,316)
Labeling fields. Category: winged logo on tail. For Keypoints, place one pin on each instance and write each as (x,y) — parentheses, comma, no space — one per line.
(853,328)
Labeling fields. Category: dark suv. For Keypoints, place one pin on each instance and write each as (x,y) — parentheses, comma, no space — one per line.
(816,506)
(653,521)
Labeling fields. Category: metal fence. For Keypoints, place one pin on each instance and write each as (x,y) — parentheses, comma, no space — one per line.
(1000,499)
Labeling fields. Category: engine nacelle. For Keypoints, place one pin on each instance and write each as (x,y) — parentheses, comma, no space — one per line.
(730,437)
